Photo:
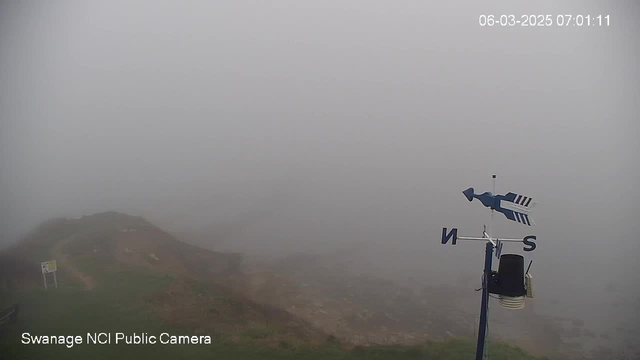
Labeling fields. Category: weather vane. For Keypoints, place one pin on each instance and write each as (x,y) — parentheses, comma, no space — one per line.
(511,283)
(515,207)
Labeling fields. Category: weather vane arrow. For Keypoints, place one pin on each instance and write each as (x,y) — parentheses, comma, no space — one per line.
(514,207)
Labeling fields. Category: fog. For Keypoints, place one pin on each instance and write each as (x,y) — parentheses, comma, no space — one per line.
(319,126)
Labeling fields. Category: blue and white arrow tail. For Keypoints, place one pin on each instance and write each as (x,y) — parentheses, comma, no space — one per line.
(518,208)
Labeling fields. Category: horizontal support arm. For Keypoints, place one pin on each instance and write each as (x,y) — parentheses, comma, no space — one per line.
(487,239)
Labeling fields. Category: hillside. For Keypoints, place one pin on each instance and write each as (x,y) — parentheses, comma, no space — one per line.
(119,273)
(115,237)
(94,250)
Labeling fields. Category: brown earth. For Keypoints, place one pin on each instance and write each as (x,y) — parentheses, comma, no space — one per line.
(212,308)
(360,310)
(142,250)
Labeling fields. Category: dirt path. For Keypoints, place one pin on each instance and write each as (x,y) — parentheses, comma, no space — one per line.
(63,261)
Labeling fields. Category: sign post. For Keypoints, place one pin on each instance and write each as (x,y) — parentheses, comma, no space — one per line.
(49,267)
(505,282)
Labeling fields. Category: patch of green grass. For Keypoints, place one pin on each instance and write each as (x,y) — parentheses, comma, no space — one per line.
(117,306)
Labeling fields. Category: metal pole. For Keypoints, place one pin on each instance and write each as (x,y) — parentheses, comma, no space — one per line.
(44,277)
(491,230)
(55,280)
(495,233)
(494,182)
(482,327)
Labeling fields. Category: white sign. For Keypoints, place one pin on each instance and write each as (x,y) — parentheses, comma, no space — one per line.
(49,266)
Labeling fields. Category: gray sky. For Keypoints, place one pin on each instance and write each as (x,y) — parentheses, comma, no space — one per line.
(341,121)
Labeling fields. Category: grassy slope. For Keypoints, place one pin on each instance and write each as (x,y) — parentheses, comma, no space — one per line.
(120,304)
(72,311)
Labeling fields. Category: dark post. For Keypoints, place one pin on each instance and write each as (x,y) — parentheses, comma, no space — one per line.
(482,329)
